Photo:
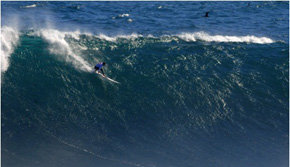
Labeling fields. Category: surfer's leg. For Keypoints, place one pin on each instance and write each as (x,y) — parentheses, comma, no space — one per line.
(96,69)
(102,72)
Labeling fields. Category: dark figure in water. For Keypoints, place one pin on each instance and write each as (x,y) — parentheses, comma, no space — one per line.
(98,68)
(206,14)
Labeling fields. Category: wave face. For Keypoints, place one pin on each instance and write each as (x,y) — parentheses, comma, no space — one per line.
(195,97)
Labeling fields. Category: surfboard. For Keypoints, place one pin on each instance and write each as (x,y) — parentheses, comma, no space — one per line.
(110,79)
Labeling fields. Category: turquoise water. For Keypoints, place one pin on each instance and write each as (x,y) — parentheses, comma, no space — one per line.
(194,92)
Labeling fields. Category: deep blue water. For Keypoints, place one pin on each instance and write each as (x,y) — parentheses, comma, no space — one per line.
(194,91)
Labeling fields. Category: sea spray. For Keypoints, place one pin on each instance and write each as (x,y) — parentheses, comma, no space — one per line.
(59,46)
(9,40)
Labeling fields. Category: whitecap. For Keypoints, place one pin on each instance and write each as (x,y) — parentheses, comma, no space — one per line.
(124,15)
(9,40)
(224,38)
(30,6)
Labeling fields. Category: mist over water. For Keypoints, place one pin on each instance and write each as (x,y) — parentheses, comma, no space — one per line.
(194,91)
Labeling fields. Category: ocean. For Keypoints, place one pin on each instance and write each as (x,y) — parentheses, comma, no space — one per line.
(193,91)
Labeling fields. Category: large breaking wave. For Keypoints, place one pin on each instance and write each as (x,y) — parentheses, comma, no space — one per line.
(178,86)
(60,43)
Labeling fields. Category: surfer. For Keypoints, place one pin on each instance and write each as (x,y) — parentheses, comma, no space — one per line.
(98,68)
(206,14)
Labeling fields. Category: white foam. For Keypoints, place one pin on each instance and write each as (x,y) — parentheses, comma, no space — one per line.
(220,38)
(193,37)
(9,40)
(114,38)
(68,51)
(105,37)
(190,37)
(124,15)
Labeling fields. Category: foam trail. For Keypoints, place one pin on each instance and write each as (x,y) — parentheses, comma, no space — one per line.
(220,38)
(99,156)
(59,46)
(9,40)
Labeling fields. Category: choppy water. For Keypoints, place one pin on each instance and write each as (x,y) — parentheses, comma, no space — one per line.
(194,92)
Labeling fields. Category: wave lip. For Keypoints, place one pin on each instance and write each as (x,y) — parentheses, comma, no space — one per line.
(9,40)
(220,38)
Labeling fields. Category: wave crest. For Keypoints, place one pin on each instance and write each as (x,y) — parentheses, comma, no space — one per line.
(60,46)
(220,38)
(9,40)
(192,37)
(71,51)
